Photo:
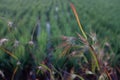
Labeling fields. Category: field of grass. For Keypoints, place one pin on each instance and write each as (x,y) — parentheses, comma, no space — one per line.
(36,34)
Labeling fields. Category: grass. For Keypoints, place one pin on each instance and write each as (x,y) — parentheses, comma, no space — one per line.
(77,56)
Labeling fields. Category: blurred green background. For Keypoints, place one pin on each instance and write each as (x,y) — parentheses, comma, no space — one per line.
(99,16)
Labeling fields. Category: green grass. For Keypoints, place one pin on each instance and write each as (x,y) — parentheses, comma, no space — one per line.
(99,16)
(96,16)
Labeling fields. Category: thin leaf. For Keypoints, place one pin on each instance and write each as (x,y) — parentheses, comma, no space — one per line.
(15,70)
(95,63)
(58,72)
(81,78)
(108,74)
(77,18)
(44,66)
(9,53)
(103,76)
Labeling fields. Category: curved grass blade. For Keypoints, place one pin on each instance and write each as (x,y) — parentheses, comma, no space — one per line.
(44,66)
(58,72)
(9,53)
(15,70)
(95,63)
(77,18)
(108,75)
(81,78)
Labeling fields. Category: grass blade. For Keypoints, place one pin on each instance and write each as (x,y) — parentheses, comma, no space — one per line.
(15,70)
(95,60)
(77,18)
(9,53)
